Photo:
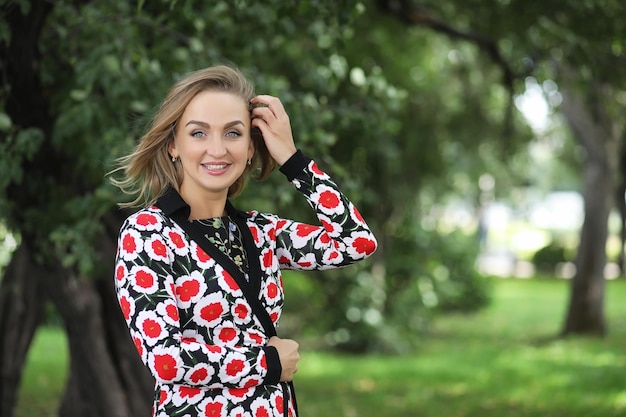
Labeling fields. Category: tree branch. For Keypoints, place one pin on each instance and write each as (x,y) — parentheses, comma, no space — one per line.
(410,15)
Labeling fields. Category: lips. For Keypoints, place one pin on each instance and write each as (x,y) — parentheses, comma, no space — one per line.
(215,167)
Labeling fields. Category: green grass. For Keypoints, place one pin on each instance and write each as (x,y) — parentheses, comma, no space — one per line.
(43,381)
(503,361)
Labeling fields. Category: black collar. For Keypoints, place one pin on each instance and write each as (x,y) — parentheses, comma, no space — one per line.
(171,202)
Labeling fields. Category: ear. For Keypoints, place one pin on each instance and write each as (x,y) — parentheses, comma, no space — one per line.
(251,150)
(171,149)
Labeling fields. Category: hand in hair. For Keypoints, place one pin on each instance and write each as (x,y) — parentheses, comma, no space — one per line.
(270,117)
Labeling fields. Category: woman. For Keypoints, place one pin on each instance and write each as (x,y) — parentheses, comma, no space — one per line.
(199,281)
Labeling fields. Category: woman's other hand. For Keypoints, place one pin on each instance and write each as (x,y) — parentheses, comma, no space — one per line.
(288,354)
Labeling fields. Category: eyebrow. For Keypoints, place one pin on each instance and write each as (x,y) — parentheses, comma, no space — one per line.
(206,125)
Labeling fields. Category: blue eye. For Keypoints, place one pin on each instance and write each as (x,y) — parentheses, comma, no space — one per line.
(197,133)
(233,134)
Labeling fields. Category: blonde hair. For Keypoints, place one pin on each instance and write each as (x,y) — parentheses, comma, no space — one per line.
(149,170)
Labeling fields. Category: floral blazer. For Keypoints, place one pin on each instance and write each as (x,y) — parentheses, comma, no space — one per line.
(188,317)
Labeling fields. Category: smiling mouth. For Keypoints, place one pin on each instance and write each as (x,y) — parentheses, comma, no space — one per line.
(215,167)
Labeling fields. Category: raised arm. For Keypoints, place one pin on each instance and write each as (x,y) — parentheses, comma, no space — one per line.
(342,236)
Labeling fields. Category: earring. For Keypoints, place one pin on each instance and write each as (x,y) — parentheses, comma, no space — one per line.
(174,159)
(249,161)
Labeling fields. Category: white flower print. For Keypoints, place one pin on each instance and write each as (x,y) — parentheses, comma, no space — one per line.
(165,364)
(168,311)
(127,304)
(190,288)
(209,310)
(328,200)
(130,245)
(214,407)
(176,241)
(151,326)
(145,221)
(156,248)
(200,374)
(143,279)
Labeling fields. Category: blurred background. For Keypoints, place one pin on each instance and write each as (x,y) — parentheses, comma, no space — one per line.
(482,140)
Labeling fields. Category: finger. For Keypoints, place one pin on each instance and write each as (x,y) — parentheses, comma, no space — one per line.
(273,103)
(264,113)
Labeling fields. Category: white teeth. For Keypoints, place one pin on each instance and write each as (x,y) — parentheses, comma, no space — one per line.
(214,166)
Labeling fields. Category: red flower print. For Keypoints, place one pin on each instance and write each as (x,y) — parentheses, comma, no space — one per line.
(240,311)
(120,272)
(177,239)
(151,328)
(212,311)
(143,279)
(172,311)
(129,243)
(227,334)
(186,391)
(360,244)
(202,255)
(314,168)
(146,220)
(199,375)
(325,238)
(165,366)
(255,233)
(125,306)
(214,349)
(308,261)
(159,248)
(234,367)
(237,393)
(280,224)
(363,245)
(272,290)
(261,412)
(304,230)
(138,345)
(279,404)
(357,215)
(329,199)
(214,409)
(268,259)
(230,282)
(256,337)
(274,316)
(162,397)
(187,290)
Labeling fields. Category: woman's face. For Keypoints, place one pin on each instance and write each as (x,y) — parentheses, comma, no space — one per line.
(213,143)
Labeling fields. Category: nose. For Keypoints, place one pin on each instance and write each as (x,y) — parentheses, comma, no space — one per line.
(216,146)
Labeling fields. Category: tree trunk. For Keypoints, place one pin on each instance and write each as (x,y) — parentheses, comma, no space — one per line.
(106,378)
(21,310)
(600,136)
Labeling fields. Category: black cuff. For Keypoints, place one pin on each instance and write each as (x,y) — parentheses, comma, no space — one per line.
(295,165)
(274,368)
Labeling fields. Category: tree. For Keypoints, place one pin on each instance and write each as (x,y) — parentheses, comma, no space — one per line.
(578,45)
(68,67)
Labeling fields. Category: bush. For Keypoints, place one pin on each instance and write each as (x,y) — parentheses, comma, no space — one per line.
(547,258)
